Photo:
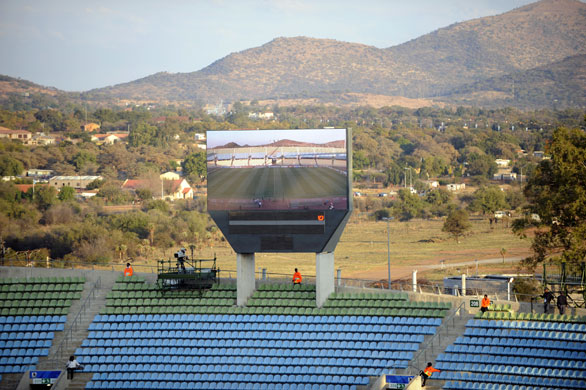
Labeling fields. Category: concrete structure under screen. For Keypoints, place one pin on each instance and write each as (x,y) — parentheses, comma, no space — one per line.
(324,277)
(245,282)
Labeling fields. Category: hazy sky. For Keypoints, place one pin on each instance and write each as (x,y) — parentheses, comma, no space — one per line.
(255,137)
(77,45)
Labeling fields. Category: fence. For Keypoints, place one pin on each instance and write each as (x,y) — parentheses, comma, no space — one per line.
(61,351)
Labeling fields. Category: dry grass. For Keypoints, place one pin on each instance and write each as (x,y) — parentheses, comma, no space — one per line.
(362,250)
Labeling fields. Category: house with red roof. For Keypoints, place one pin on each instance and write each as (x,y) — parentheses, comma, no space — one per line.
(166,189)
(23,136)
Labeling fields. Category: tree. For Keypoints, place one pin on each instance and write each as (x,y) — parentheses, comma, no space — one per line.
(195,165)
(9,166)
(457,224)
(488,200)
(481,165)
(557,193)
(45,197)
(66,194)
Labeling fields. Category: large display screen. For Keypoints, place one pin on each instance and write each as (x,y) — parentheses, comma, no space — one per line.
(277,170)
(279,190)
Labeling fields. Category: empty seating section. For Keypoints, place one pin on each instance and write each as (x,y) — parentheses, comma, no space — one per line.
(281,341)
(495,354)
(32,310)
(512,316)
(392,304)
(131,295)
(39,296)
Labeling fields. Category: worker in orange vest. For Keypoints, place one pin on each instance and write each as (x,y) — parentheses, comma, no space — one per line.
(297,277)
(128,271)
(484,304)
(426,373)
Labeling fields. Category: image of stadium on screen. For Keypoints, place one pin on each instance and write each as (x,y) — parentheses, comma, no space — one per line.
(277,169)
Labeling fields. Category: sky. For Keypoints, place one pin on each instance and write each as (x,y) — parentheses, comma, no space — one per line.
(78,45)
(255,137)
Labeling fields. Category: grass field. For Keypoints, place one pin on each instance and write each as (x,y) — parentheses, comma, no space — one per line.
(279,187)
(362,250)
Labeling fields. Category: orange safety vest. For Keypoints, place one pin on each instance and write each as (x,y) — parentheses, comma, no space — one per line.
(485,302)
(128,271)
(297,277)
(430,370)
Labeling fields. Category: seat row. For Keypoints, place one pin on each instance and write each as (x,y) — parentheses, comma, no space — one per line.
(7,336)
(248,335)
(453,385)
(535,325)
(505,342)
(286,287)
(244,328)
(170,368)
(520,349)
(155,385)
(194,338)
(513,379)
(276,310)
(511,370)
(525,334)
(492,315)
(31,327)
(34,311)
(14,352)
(545,362)
(252,355)
(33,303)
(171,302)
(262,378)
(272,320)
(41,288)
(34,319)
(25,344)
(386,296)
(284,295)
(193,344)
(157,294)
(377,303)
(39,296)
(514,351)
(17,368)
(20,360)
(278,302)
(44,280)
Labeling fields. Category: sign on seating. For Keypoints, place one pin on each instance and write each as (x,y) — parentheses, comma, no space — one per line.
(474,303)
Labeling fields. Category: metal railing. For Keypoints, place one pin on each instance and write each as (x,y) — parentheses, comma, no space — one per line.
(60,352)
(444,327)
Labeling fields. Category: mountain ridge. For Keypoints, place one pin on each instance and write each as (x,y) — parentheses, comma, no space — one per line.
(451,65)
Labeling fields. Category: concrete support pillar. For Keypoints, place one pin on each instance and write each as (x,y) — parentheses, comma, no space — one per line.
(414,280)
(463,284)
(324,277)
(245,282)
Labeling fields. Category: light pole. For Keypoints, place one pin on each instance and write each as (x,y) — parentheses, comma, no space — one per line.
(388,249)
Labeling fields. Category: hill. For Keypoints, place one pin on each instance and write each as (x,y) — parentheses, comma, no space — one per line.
(541,46)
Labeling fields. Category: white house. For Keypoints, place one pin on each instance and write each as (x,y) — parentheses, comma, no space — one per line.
(456,187)
(170,176)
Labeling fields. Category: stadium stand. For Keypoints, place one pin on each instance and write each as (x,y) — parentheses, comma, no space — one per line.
(184,339)
(31,311)
(517,351)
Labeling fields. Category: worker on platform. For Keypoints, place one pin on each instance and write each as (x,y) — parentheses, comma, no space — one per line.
(128,271)
(484,304)
(297,277)
(426,373)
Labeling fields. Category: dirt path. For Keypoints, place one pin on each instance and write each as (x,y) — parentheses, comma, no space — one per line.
(403,272)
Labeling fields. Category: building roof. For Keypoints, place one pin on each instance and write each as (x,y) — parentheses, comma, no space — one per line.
(4,130)
(75,178)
